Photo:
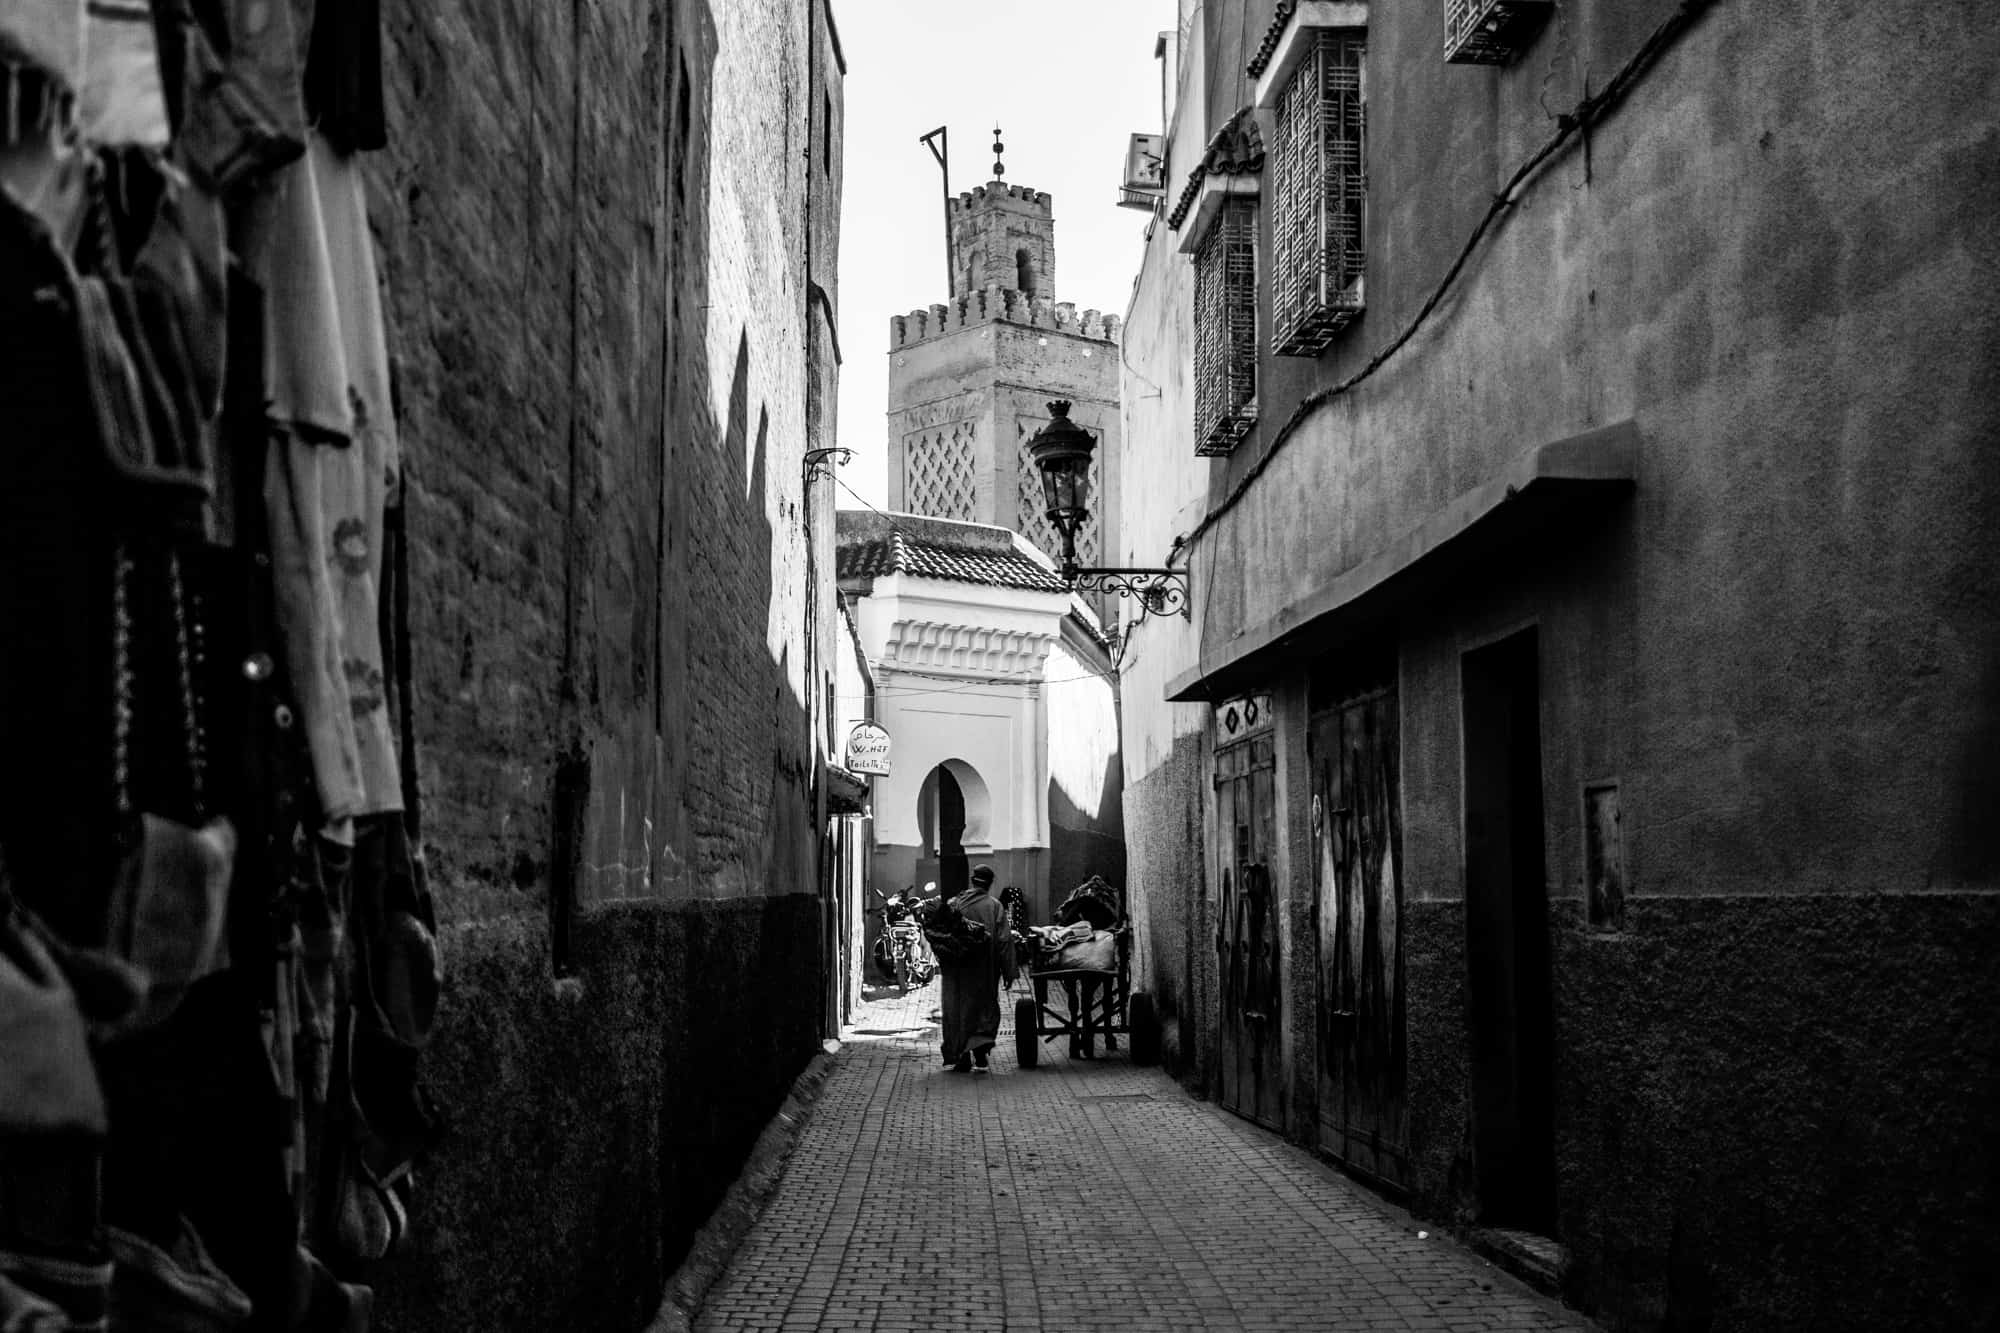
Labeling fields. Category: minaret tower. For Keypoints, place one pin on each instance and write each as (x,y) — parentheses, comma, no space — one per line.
(970,379)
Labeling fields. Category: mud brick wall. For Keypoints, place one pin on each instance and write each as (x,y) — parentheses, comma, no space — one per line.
(593,222)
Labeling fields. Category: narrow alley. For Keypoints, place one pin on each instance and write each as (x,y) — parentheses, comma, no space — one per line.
(1079,1195)
(585,586)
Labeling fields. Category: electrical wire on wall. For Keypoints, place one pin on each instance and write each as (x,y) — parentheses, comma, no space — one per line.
(1590,109)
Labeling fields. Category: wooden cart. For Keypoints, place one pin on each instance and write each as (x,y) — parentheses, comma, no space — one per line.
(1095,1004)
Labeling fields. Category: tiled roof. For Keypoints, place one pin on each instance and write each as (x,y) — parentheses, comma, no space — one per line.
(939,549)
(1237,149)
(1280,16)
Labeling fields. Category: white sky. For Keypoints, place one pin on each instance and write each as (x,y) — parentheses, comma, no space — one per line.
(1067,81)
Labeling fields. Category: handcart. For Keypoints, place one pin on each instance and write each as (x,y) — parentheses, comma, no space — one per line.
(1096,1002)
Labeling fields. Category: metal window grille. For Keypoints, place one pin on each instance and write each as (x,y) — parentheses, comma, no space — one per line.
(1225,330)
(1490,32)
(1319,195)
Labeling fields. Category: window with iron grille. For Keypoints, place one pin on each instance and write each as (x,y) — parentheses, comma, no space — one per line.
(1225,329)
(1490,32)
(1319,195)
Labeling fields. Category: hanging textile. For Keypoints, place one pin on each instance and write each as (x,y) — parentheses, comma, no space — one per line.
(122,103)
(333,449)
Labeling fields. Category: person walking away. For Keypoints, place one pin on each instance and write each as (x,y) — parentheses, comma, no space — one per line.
(972,985)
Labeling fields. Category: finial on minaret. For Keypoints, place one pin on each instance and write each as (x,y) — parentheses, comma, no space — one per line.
(999,169)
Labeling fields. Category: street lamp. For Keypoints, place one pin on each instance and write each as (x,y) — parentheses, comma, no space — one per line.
(1062,450)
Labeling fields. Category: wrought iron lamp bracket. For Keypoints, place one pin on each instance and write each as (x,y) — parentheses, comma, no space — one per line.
(1159,592)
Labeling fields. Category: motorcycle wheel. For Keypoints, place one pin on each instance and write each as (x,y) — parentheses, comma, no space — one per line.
(885,963)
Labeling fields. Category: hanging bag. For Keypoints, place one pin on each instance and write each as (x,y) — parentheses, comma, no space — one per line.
(170,901)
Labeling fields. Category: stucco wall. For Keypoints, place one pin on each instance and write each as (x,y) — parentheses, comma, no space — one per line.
(1780,646)
(980,706)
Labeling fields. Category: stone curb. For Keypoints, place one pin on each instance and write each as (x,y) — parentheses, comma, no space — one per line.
(715,1243)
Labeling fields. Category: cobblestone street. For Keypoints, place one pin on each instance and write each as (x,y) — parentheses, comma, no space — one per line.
(1080,1195)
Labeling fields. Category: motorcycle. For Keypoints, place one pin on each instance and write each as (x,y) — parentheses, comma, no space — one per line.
(901,953)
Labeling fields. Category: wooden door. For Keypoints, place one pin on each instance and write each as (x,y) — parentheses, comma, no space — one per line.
(1357,873)
(1247,941)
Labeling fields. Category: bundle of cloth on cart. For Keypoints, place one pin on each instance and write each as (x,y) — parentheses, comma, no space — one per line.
(1084,935)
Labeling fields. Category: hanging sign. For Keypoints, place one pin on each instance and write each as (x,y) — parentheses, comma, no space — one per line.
(868,749)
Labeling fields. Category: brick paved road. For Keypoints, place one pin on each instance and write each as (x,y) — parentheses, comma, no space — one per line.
(1077,1196)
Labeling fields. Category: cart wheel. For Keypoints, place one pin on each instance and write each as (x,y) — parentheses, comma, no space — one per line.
(1145,1028)
(1027,1050)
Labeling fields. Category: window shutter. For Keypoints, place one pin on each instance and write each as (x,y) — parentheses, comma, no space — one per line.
(1225,321)
(1320,195)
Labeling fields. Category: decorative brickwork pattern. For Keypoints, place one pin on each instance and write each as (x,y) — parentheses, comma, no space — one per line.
(938,468)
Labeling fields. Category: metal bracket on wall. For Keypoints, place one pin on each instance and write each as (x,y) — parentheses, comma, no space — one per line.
(1159,592)
(820,463)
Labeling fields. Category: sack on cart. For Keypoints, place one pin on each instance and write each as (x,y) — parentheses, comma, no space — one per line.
(1095,952)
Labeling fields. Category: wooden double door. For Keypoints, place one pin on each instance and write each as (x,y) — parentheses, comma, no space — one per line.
(1247,940)
(1353,750)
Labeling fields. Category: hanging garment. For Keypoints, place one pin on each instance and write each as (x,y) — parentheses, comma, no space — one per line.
(394,982)
(241,114)
(39,167)
(21,1311)
(326,1304)
(53,574)
(171,1288)
(81,1289)
(328,381)
(47,34)
(47,1083)
(181,277)
(122,104)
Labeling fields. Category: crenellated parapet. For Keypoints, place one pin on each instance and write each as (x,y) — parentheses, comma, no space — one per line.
(995,304)
(994,192)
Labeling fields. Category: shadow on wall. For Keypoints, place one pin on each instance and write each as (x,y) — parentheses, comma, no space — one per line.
(1089,842)
(595,576)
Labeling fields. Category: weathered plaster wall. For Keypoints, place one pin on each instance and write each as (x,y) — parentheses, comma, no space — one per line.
(1780,646)
(593,230)
(1168,796)
(1166,869)
(1758,275)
